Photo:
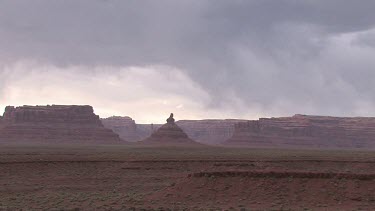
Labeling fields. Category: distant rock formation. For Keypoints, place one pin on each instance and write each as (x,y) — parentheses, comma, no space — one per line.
(54,124)
(303,131)
(209,131)
(145,130)
(125,127)
(128,130)
(169,134)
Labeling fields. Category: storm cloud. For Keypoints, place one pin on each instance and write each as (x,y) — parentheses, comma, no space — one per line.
(239,59)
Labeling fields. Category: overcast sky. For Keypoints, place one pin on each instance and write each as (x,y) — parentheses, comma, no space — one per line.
(196,58)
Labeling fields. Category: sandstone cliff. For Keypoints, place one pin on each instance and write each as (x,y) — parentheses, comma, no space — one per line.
(125,127)
(54,124)
(306,131)
(1,122)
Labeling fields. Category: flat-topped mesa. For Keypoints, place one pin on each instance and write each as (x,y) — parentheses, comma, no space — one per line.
(306,131)
(124,126)
(52,114)
(54,124)
(169,134)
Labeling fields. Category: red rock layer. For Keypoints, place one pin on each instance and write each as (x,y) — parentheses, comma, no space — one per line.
(125,127)
(209,131)
(306,131)
(284,174)
(54,124)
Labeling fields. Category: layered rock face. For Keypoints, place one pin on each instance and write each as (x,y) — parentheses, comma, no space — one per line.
(169,134)
(54,124)
(125,127)
(306,131)
(209,131)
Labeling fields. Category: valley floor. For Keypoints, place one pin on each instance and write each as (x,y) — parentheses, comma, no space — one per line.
(71,177)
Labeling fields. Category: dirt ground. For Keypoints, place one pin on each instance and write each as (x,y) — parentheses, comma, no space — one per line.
(184,178)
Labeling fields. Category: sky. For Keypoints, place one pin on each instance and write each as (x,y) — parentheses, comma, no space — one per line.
(196,58)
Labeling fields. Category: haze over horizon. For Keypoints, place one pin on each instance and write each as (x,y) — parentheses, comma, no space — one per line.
(196,58)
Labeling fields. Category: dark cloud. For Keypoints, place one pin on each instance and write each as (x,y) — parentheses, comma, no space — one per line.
(131,32)
(283,56)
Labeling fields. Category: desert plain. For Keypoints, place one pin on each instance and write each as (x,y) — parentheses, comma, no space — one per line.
(132,177)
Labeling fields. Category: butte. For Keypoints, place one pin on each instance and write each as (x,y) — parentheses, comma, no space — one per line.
(170,134)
